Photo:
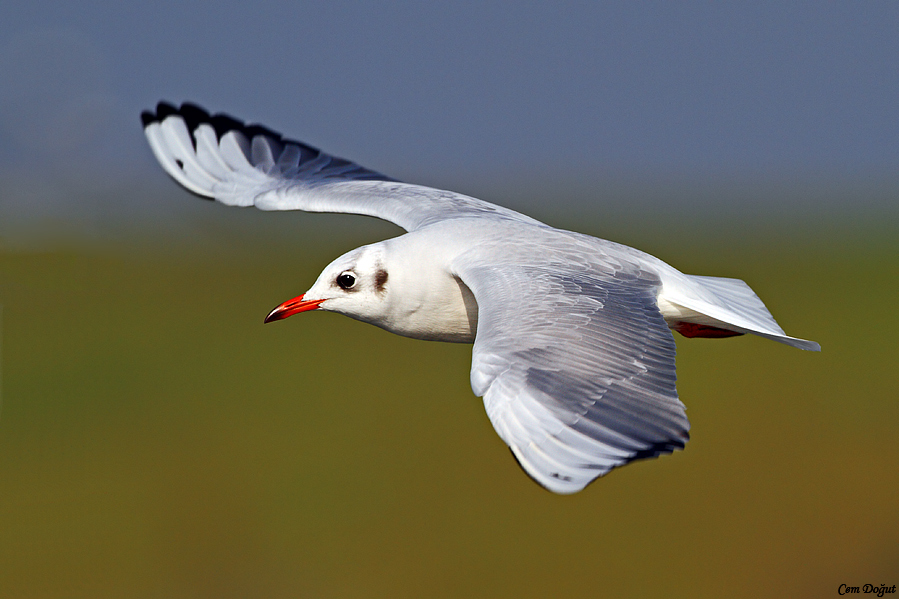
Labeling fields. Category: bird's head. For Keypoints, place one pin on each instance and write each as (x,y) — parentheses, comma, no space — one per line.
(355,284)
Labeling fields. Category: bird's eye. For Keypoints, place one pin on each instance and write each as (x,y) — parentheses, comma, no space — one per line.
(346,280)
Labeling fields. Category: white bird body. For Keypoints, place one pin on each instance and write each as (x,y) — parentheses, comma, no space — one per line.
(435,305)
(572,348)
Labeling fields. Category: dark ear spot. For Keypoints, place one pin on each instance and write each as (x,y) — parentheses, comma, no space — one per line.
(380,280)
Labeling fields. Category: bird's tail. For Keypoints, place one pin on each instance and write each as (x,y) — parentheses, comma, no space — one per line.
(719,307)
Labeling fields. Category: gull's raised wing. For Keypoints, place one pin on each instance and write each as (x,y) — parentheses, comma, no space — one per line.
(221,158)
(574,361)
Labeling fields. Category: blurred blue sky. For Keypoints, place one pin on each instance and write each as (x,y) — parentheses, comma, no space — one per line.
(475,96)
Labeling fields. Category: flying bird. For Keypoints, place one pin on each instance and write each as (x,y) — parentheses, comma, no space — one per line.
(573,348)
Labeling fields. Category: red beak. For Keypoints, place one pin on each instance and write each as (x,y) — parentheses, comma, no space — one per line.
(291,307)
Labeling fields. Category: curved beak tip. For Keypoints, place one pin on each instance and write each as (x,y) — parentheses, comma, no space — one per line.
(291,307)
(274,315)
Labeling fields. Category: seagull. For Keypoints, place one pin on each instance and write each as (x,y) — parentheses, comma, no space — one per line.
(573,349)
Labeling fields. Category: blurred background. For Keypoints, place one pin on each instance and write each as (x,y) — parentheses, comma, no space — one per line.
(157,441)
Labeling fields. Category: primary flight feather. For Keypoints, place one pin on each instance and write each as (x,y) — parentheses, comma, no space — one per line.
(573,351)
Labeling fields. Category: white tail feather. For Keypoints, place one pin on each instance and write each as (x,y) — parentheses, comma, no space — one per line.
(727,304)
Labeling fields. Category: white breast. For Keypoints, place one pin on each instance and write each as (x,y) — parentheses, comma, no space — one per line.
(426,301)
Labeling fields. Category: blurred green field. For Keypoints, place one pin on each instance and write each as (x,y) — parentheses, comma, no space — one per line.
(156,440)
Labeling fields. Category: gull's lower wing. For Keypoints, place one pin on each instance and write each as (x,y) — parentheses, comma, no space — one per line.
(221,158)
(575,363)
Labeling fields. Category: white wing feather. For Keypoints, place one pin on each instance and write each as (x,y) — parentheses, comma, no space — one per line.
(573,359)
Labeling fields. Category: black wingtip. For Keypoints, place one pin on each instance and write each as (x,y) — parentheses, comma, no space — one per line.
(163,109)
(659,449)
(222,123)
(147,118)
(194,116)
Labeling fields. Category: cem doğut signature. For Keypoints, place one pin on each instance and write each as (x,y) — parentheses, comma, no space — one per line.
(845,589)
